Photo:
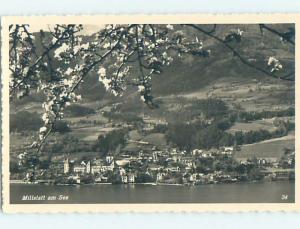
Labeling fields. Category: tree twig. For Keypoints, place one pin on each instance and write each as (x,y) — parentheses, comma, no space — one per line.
(242,59)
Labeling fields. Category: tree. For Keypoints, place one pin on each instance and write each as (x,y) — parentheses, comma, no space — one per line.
(56,62)
(110,141)
(61,127)
(144,178)
(77,110)
(181,135)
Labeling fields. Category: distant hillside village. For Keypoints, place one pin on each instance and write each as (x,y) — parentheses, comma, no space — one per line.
(167,167)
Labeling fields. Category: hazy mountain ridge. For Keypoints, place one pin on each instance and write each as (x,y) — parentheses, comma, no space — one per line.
(191,76)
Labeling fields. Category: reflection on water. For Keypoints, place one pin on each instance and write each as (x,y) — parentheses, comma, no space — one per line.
(266,192)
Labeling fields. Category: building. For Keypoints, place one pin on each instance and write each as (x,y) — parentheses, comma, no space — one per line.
(155,167)
(122,162)
(66,166)
(124,179)
(122,171)
(108,167)
(283,174)
(155,156)
(96,169)
(196,177)
(172,169)
(196,152)
(88,167)
(109,159)
(227,151)
(98,180)
(160,176)
(75,178)
(193,177)
(79,169)
(131,178)
(104,179)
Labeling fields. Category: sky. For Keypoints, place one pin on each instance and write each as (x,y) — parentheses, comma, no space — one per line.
(87,29)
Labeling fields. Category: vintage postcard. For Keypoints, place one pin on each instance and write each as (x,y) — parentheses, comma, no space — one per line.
(150,113)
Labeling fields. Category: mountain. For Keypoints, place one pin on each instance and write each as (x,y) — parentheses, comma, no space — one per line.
(196,77)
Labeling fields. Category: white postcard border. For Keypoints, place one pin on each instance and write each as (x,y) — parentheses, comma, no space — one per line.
(154,19)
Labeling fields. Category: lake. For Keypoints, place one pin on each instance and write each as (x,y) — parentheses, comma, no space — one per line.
(260,192)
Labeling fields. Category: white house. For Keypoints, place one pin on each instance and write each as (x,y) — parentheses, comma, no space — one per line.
(160,176)
(96,169)
(108,167)
(131,178)
(122,171)
(124,179)
(66,166)
(122,162)
(79,169)
(109,159)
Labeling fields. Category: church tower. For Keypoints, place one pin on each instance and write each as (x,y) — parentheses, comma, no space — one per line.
(66,166)
(88,167)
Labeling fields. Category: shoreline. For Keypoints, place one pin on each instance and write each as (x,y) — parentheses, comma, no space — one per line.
(151,183)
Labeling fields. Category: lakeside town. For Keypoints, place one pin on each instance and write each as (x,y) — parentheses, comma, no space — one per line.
(140,149)
(173,167)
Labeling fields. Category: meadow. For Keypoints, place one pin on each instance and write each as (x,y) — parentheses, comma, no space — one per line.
(270,149)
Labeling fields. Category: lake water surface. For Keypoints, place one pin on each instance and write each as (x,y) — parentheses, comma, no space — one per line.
(260,192)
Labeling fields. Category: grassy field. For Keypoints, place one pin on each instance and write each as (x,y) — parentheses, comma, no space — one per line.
(75,156)
(251,94)
(273,148)
(137,142)
(18,142)
(134,135)
(90,118)
(156,139)
(90,133)
(266,124)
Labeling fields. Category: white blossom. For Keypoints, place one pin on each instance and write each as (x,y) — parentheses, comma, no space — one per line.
(106,82)
(68,82)
(102,72)
(106,45)
(34,144)
(76,48)
(44,116)
(54,39)
(165,55)
(85,46)
(239,32)
(63,48)
(141,88)
(69,71)
(274,64)
(43,129)
(143,98)
(171,27)
(23,36)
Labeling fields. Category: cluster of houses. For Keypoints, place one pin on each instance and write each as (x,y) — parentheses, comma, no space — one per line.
(149,123)
(160,165)
(98,167)
(171,166)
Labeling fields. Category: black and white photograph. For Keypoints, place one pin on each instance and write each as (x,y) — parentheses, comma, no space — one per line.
(195,113)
